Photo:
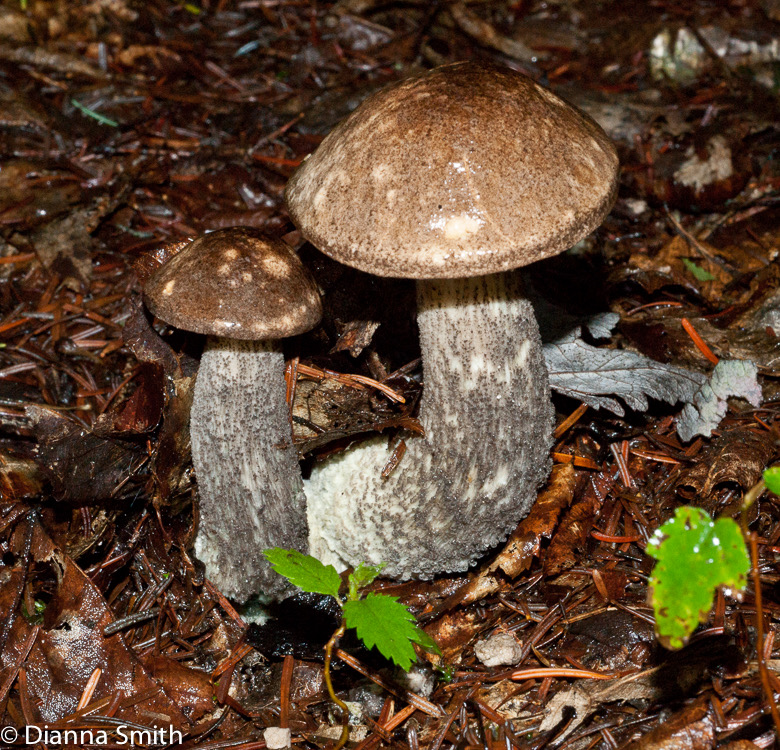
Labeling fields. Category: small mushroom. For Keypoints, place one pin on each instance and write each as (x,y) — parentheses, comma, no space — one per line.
(245,291)
(453,178)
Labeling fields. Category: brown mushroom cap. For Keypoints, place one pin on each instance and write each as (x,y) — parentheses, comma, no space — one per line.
(468,169)
(236,283)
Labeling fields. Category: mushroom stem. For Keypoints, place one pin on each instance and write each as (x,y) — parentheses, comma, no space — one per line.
(488,424)
(249,479)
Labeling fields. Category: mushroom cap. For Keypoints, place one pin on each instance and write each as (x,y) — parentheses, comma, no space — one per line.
(236,283)
(468,169)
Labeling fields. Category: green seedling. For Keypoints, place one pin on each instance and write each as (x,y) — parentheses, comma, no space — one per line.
(379,620)
(695,555)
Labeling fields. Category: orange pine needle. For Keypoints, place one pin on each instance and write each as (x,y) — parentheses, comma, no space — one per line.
(572,419)
(654,456)
(355,381)
(579,461)
(545,672)
(89,689)
(602,537)
(701,345)
(18,258)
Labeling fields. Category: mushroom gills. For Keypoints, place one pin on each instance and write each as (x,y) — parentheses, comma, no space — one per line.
(488,421)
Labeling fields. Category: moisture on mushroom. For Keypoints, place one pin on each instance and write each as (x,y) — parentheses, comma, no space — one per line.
(245,291)
(453,178)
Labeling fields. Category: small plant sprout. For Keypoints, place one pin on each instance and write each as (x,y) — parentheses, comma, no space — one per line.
(695,555)
(379,620)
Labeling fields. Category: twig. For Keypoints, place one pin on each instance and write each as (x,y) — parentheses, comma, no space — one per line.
(485,34)
(412,698)
(572,419)
(750,497)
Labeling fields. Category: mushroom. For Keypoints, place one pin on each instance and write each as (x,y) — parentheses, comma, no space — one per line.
(245,291)
(454,178)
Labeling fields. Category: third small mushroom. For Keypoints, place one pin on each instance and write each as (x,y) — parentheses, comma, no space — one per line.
(454,178)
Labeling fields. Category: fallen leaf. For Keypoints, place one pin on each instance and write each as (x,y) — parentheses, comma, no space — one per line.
(730,378)
(575,526)
(592,375)
(739,457)
(71,646)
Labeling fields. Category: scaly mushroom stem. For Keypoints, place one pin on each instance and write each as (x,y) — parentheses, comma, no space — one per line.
(488,424)
(249,480)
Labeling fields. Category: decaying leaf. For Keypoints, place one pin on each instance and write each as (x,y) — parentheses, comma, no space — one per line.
(66,241)
(594,375)
(355,337)
(574,527)
(692,728)
(21,475)
(453,631)
(587,697)
(709,404)
(85,468)
(170,462)
(71,645)
(739,457)
(327,410)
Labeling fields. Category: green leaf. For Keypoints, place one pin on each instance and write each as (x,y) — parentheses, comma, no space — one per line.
(772,479)
(695,555)
(699,273)
(382,621)
(304,571)
(361,577)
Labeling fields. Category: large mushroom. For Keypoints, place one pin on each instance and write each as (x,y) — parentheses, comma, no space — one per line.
(245,291)
(453,178)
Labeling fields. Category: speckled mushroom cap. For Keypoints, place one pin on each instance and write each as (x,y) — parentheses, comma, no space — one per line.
(468,169)
(236,283)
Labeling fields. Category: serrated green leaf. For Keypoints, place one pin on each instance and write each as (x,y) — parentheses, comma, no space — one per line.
(381,621)
(694,556)
(362,576)
(304,571)
(772,479)
(699,273)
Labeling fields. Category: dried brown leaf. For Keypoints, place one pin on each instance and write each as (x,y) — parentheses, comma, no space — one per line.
(692,728)
(84,467)
(738,456)
(186,687)
(574,528)
(454,631)
(355,337)
(71,645)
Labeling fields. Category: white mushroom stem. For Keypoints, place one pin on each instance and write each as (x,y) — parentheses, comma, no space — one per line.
(249,479)
(488,424)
